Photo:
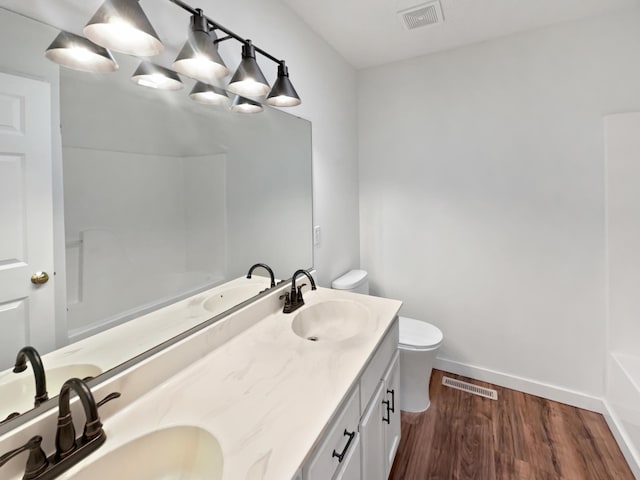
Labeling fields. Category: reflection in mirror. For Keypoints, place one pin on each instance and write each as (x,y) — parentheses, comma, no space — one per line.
(167,203)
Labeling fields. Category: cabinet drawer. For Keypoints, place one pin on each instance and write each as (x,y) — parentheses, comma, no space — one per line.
(340,441)
(374,371)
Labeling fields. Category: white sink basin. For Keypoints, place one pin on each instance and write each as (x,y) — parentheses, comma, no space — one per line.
(333,321)
(176,453)
(230,297)
(18,389)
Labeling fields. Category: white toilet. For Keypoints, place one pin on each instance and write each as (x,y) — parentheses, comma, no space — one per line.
(419,344)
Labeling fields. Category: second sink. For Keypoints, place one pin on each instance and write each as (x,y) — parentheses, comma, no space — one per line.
(230,297)
(17,394)
(332,321)
(175,453)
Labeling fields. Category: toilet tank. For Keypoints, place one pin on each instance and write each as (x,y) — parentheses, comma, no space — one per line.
(356,281)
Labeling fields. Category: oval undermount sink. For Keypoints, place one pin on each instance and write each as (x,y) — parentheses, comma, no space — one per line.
(230,297)
(332,321)
(176,453)
(18,395)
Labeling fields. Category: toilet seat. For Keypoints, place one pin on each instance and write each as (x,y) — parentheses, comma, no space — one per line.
(418,336)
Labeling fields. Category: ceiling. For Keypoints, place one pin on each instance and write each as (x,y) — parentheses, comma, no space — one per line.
(368,33)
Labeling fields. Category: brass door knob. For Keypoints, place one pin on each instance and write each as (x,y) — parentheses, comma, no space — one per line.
(39,278)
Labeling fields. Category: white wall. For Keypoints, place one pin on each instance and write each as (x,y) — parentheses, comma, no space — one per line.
(482,197)
(206,213)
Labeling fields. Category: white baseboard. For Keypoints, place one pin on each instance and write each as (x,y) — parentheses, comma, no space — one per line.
(631,456)
(532,387)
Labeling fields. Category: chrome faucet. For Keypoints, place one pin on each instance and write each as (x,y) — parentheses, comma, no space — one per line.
(293,300)
(267,268)
(31,354)
(69,449)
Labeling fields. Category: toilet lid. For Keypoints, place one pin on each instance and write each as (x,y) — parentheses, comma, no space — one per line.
(417,334)
(350,280)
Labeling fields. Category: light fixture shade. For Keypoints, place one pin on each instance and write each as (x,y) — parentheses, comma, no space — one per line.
(245,105)
(282,93)
(122,26)
(154,76)
(209,94)
(199,57)
(78,53)
(248,79)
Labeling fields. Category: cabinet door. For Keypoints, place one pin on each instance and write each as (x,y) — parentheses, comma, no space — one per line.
(350,469)
(392,405)
(372,433)
(338,445)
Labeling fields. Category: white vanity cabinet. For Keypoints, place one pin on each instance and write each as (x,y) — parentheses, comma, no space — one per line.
(373,438)
(391,421)
(380,426)
(338,456)
(363,440)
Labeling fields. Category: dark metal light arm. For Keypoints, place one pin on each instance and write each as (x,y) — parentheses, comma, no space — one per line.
(231,34)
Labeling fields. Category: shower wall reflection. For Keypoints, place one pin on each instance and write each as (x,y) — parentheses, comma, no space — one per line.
(165,198)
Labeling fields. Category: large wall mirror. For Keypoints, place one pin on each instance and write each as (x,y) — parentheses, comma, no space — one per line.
(167,203)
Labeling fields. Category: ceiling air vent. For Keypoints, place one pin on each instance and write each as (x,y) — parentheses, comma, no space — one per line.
(422,15)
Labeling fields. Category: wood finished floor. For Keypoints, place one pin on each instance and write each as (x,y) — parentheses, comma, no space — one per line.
(519,436)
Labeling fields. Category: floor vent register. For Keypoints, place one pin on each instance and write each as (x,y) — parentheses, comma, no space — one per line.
(470,387)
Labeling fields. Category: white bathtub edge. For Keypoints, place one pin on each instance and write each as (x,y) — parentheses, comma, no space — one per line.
(631,456)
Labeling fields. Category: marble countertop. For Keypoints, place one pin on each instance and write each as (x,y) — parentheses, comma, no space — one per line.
(107,349)
(266,395)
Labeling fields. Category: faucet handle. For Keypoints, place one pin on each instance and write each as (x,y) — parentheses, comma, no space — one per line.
(108,398)
(287,298)
(299,297)
(37,461)
(11,416)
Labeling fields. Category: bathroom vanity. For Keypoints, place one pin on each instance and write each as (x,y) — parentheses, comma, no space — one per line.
(362,441)
(260,394)
(95,355)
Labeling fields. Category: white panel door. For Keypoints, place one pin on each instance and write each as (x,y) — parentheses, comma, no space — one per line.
(26,217)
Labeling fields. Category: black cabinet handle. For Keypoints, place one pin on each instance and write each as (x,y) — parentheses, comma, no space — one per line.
(340,456)
(393,400)
(386,402)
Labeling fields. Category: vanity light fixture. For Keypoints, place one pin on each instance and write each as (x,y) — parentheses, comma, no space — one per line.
(245,105)
(209,95)
(122,26)
(282,93)
(155,76)
(78,53)
(199,57)
(249,79)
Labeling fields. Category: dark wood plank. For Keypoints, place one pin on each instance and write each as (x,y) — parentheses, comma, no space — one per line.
(517,437)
